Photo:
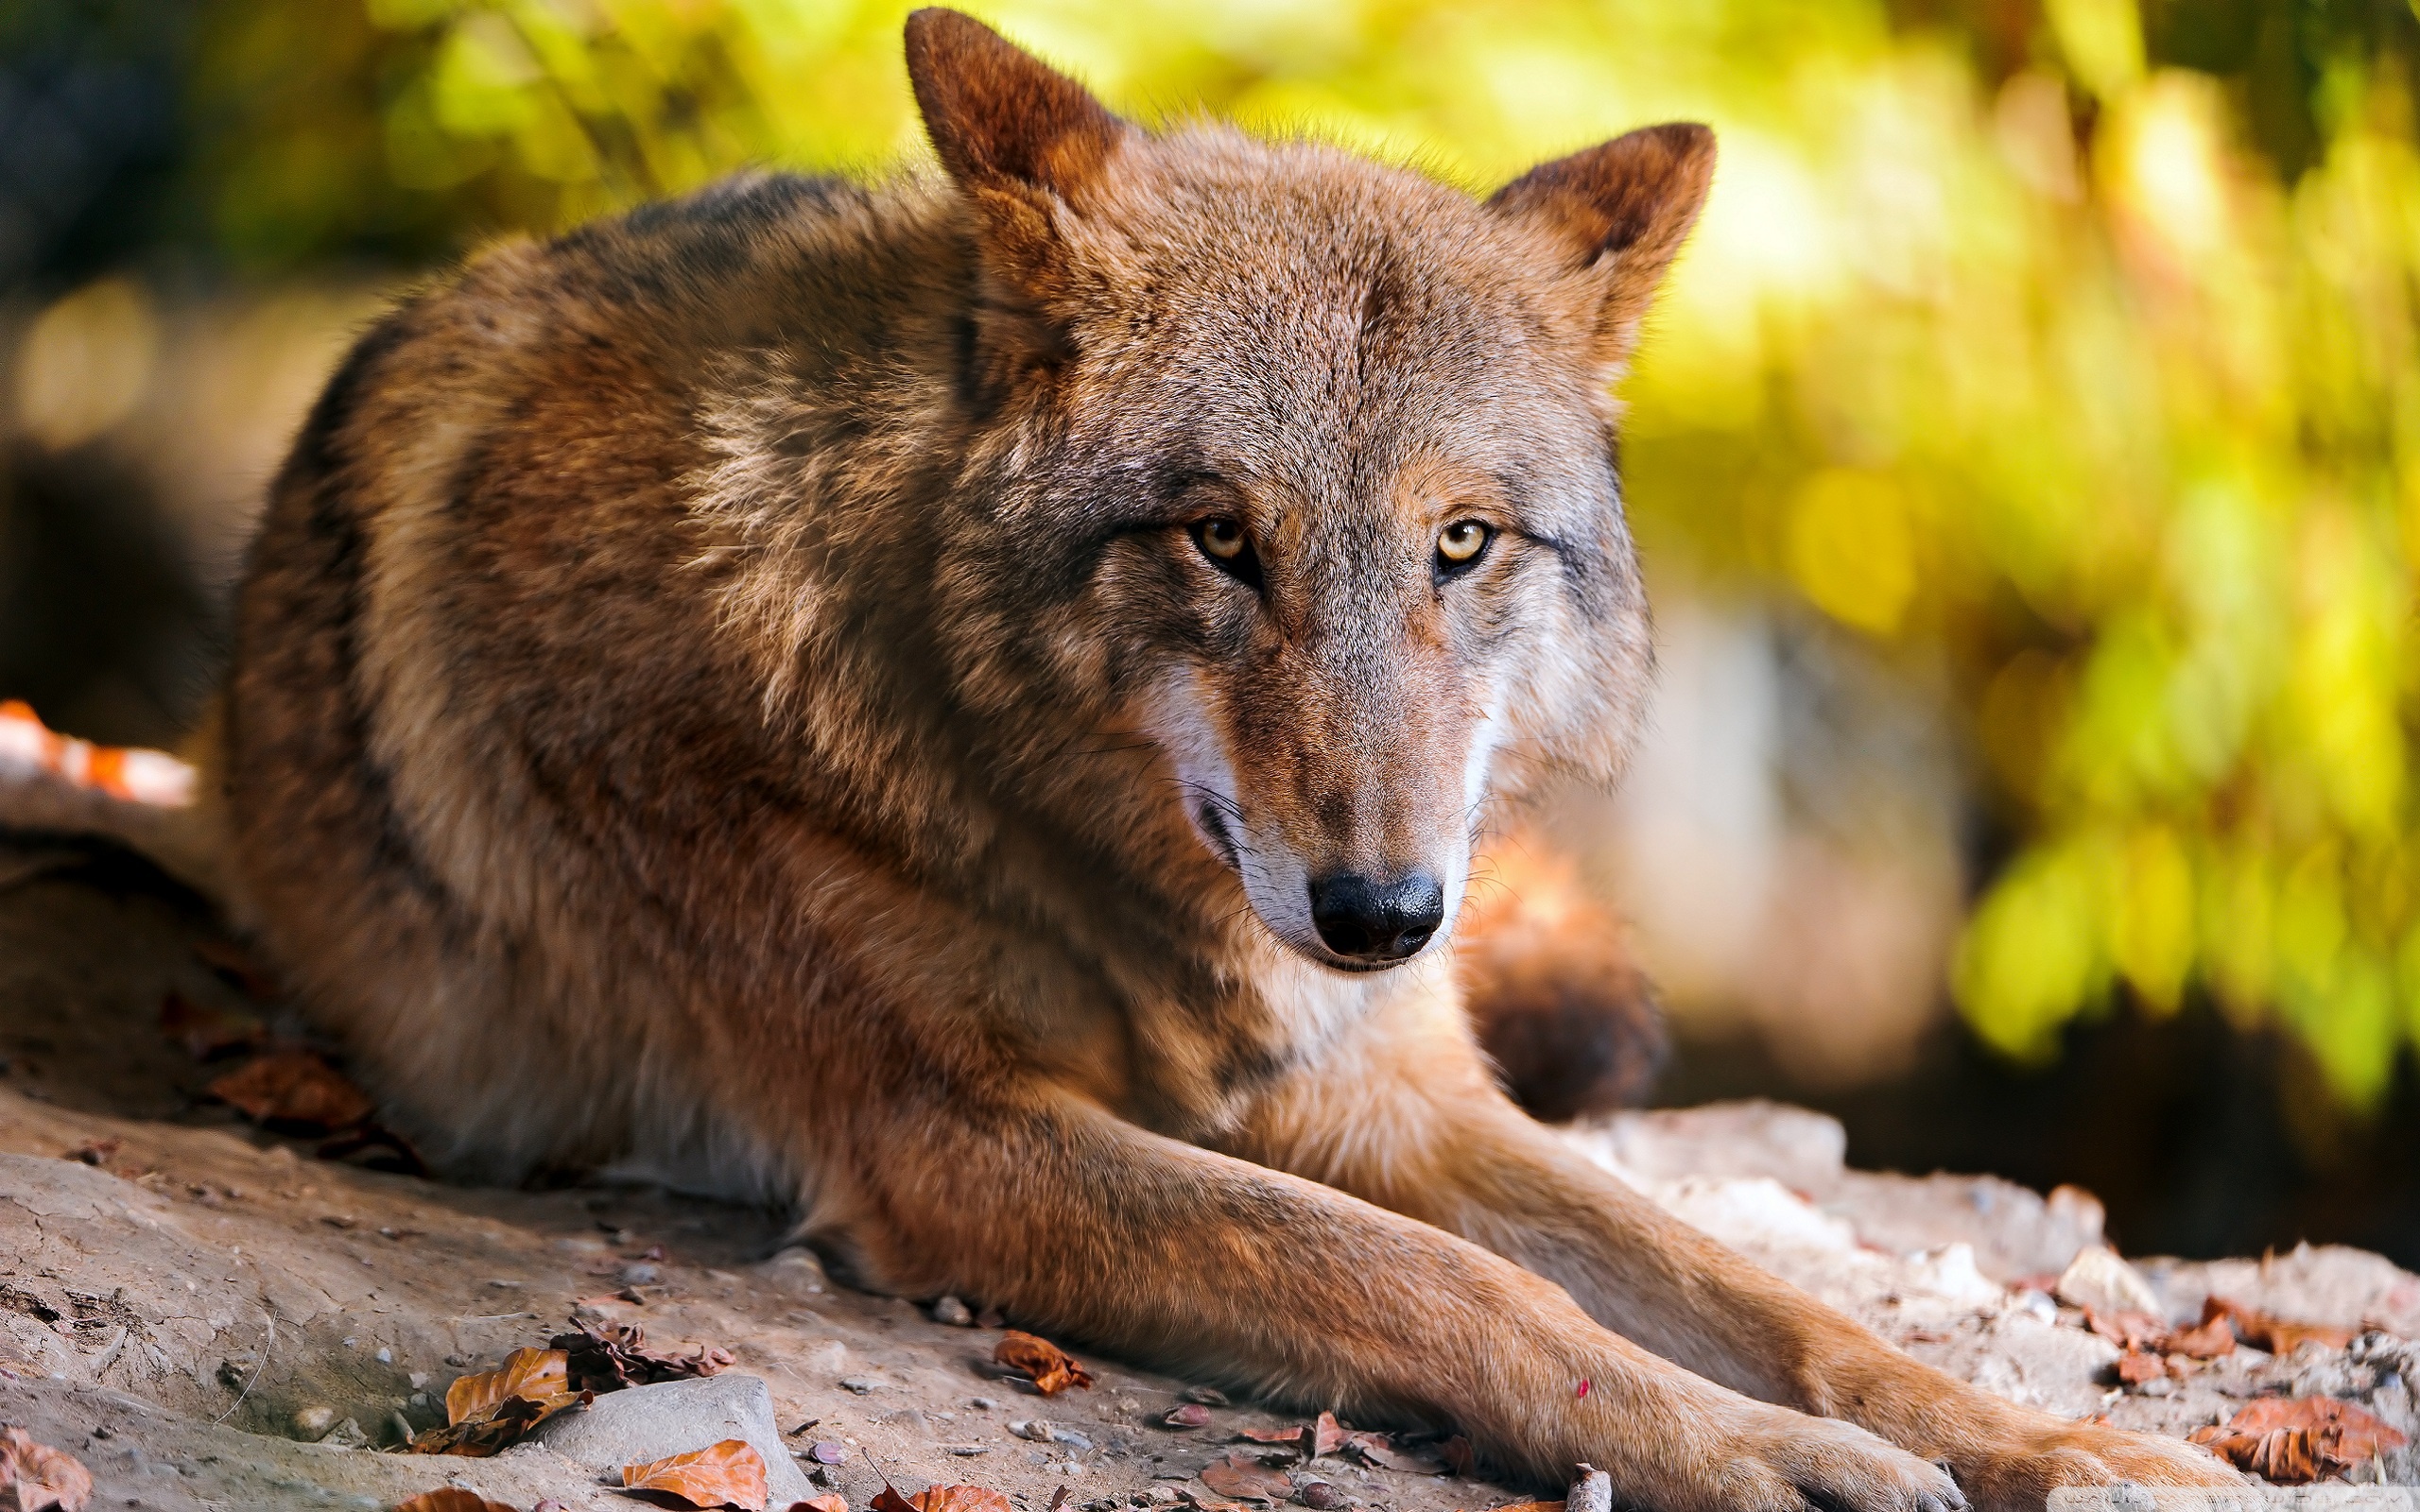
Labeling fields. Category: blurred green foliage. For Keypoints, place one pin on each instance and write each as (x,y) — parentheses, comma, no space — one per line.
(2063,349)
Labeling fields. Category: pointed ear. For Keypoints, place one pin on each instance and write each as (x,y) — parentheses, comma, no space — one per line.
(1014,133)
(1622,208)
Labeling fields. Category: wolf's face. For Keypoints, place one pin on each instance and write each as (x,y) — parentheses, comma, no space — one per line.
(1329,449)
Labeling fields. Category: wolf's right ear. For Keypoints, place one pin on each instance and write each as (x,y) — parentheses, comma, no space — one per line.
(1021,139)
(1621,209)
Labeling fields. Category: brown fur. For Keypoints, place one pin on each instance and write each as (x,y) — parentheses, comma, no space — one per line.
(739,691)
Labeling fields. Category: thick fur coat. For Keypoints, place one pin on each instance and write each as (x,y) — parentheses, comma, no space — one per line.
(966,707)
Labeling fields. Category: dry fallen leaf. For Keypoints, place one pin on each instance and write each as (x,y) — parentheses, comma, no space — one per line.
(36,1477)
(1291,1437)
(610,1356)
(1380,1450)
(1325,1436)
(731,1473)
(959,1499)
(1050,1368)
(453,1499)
(488,1412)
(2128,1330)
(293,1089)
(1210,1504)
(2298,1440)
(1191,1415)
(2208,1341)
(828,1501)
(539,1375)
(2275,1335)
(2135,1368)
(1248,1479)
(1532,1507)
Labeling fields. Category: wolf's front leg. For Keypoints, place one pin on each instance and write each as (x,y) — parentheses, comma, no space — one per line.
(1076,1223)
(1408,1117)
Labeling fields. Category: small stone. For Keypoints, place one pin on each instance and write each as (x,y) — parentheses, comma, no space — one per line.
(418,1379)
(1320,1496)
(796,1269)
(2099,1279)
(825,1452)
(640,1274)
(642,1423)
(2163,1386)
(950,1310)
(346,1435)
(856,1384)
(1035,1429)
(981,1404)
(314,1421)
(1192,1415)
(969,1450)
(1206,1396)
(1071,1439)
(1592,1492)
(385,1355)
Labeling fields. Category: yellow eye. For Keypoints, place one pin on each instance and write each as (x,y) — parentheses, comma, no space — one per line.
(1459,543)
(1223,538)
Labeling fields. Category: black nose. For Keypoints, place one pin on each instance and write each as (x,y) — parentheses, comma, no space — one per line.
(1371,920)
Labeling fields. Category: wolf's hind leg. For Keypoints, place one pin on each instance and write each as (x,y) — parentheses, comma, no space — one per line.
(1076,1223)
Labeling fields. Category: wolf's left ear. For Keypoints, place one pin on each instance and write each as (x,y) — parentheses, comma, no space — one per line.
(1622,208)
(1021,139)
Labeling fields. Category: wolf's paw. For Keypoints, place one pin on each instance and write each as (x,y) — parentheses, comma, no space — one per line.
(2021,1476)
(1774,1460)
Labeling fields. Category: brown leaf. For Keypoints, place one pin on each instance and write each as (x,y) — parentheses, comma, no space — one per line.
(1210,1504)
(961,1499)
(1190,1415)
(452,1498)
(610,1356)
(1247,1479)
(1380,1450)
(1532,1507)
(36,1477)
(1050,1368)
(731,1473)
(208,1033)
(2208,1341)
(1325,1436)
(2128,1330)
(538,1375)
(828,1501)
(2293,1442)
(293,1089)
(888,1500)
(2264,1331)
(2135,1368)
(487,1413)
(1290,1435)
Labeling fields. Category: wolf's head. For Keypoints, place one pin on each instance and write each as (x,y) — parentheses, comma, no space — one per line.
(1310,464)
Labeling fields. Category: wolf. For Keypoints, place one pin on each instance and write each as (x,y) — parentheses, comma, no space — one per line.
(966,708)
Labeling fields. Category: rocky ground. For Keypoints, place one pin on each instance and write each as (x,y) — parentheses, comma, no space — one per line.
(210,1316)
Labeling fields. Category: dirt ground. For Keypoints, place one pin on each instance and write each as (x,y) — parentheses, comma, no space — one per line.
(210,1316)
